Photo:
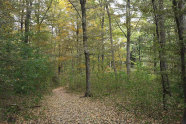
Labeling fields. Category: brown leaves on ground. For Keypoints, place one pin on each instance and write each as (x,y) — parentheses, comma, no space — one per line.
(67,108)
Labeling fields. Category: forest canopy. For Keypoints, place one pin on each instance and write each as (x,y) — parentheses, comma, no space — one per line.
(132,51)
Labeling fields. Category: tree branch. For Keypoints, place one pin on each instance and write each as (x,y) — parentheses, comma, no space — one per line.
(75,8)
(120,28)
(46,12)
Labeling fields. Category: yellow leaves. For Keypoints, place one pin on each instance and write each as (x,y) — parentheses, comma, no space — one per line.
(120,59)
(7,4)
(65,33)
(64,4)
(124,40)
(80,30)
(81,66)
(93,58)
(108,69)
(73,28)
(42,43)
(123,59)
(41,27)
(64,58)
(58,38)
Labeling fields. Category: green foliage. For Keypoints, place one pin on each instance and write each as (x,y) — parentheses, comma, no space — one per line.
(25,75)
(140,94)
(23,69)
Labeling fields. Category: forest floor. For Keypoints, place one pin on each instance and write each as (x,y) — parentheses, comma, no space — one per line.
(63,107)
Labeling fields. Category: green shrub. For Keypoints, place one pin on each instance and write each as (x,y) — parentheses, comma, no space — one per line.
(140,94)
(26,72)
(23,69)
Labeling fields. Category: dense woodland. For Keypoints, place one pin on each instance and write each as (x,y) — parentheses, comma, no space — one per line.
(130,51)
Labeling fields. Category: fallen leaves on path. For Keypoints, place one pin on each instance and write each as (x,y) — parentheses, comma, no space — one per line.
(67,108)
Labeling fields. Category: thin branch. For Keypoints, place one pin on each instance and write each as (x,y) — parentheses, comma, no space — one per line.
(137,24)
(46,12)
(75,8)
(120,28)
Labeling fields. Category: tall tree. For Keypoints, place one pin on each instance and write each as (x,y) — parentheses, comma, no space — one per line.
(162,56)
(180,18)
(128,23)
(27,19)
(85,46)
(160,32)
(102,32)
(111,39)
(22,15)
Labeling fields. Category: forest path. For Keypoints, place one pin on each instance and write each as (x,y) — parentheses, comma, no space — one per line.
(67,108)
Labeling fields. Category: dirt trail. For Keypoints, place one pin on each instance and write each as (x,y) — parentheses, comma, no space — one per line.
(68,108)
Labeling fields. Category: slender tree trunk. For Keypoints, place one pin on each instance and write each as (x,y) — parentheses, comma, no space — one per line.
(27,20)
(99,62)
(85,46)
(180,18)
(72,61)
(111,40)
(102,38)
(22,16)
(59,63)
(159,21)
(155,51)
(128,22)
(139,49)
(78,44)
(37,13)
(162,54)
(120,56)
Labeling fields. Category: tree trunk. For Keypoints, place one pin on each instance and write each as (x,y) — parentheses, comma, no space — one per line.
(37,13)
(102,36)
(22,16)
(180,18)
(155,52)
(128,22)
(120,56)
(102,39)
(159,21)
(139,49)
(85,46)
(111,40)
(78,44)
(59,62)
(27,20)
(163,64)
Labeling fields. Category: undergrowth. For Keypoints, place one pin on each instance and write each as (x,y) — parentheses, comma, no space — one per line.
(26,73)
(141,93)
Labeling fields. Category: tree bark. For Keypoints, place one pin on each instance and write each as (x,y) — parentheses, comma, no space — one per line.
(78,44)
(111,40)
(102,38)
(180,18)
(128,22)
(22,15)
(163,64)
(59,55)
(27,20)
(139,49)
(155,51)
(159,21)
(85,46)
